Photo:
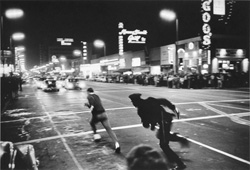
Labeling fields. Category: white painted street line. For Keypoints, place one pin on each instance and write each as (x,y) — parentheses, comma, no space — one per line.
(63,139)
(124,127)
(239,108)
(139,125)
(121,108)
(219,151)
(234,118)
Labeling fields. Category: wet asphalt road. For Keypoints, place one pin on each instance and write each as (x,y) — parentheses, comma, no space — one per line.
(216,122)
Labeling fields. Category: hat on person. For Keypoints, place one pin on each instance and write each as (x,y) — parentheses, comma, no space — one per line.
(90,90)
(135,96)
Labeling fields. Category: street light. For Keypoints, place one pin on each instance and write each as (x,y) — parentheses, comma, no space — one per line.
(100,44)
(18,36)
(14,13)
(169,16)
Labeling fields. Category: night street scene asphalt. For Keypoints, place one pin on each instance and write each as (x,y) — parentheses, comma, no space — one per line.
(165,83)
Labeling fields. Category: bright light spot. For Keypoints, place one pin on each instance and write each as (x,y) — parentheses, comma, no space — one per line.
(14,13)
(77,52)
(181,50)
(82,85)
(205,66)
(99,43)
(70,86)
(20,48)
(18,36)
(223,52)
(195,53)
(63,58)
(239,52)
(167,15)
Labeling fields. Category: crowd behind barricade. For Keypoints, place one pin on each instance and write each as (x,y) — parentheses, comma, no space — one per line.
(9,88)
(188,80)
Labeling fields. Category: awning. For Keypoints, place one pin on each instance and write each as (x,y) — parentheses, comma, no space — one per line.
(122,70)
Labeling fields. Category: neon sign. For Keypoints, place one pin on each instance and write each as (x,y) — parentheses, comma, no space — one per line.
(206,17)
(65,41)
(135,37)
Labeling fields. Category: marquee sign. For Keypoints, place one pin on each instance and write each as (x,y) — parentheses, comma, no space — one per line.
(134,37)
(206,28)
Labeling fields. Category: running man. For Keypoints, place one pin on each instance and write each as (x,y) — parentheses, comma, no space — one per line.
(99,115)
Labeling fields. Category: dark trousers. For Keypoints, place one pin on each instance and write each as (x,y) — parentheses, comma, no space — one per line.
(165,136)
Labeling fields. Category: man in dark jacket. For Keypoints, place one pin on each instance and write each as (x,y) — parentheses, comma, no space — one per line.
(152,113)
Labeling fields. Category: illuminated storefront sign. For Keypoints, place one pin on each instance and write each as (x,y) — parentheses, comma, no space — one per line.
(230,53)
(122,62)
(136,62)
(134,37)
(206,17)
(167,54)
(219,7)
(65,41)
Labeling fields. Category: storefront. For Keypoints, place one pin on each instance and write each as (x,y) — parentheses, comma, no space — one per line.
(228,60)
(190,57)
(167,59)
(139,64)
(91,70)
(125,63)
(155,64)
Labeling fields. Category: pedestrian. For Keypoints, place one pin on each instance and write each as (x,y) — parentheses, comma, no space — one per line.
(152,113)
(145,157)
(99,115)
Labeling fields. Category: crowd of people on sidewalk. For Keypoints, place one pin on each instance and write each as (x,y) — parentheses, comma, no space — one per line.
(188,80)
(10,86)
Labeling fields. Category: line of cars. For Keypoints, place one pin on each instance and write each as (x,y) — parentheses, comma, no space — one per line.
(54,85)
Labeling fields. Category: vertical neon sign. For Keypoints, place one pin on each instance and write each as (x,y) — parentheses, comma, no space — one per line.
(120,38)
(206,17)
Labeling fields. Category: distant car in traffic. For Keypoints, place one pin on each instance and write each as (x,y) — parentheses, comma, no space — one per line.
(40,84)
(50,86)
(60,83)
(101,79)
(80,83)
(70,83)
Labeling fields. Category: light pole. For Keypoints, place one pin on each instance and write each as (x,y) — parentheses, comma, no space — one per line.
(100,44)
(169,15)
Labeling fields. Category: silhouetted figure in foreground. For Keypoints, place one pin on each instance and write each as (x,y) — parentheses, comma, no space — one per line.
(145,157)
(152,113)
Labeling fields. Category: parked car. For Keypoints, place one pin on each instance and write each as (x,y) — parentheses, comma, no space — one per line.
(101,79)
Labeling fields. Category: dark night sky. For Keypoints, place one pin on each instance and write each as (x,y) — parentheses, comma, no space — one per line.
(44,21)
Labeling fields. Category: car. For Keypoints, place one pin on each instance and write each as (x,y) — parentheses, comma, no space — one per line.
(60,83)
(50,86)
(101,79)
(40,84)
(80,83)
(70,83)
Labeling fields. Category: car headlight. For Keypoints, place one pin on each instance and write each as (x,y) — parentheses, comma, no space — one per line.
(59,86)
(70,86)
(82,85)
(43,86)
